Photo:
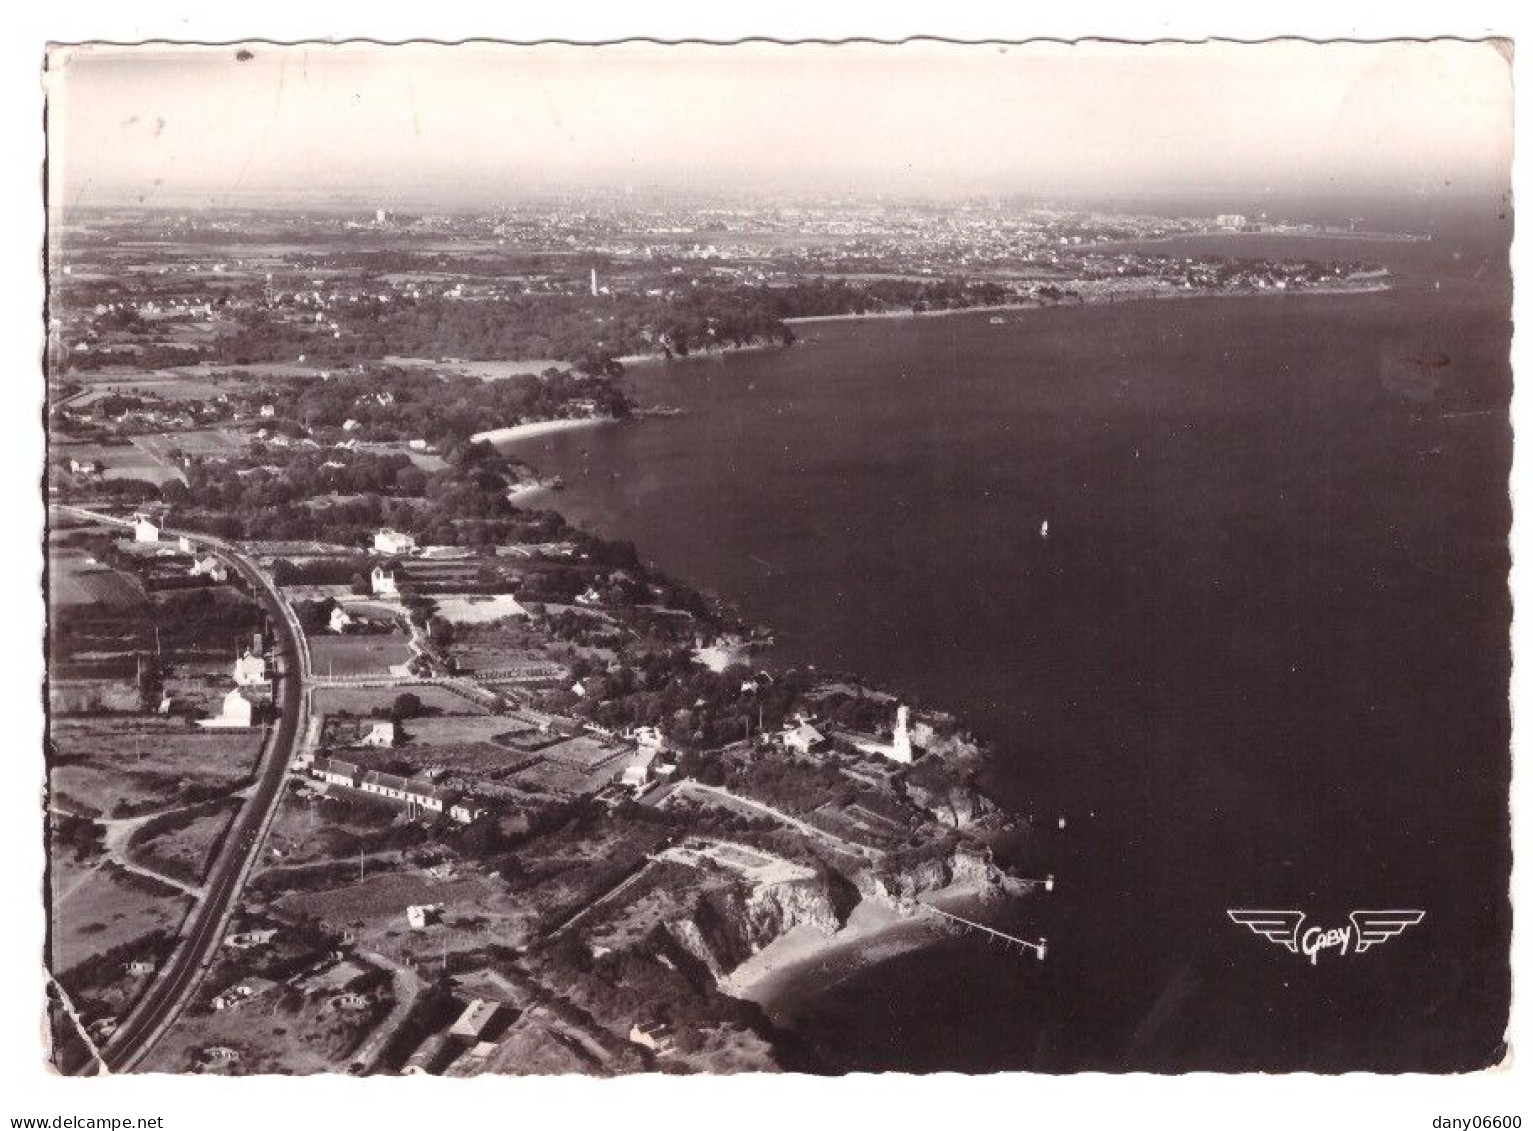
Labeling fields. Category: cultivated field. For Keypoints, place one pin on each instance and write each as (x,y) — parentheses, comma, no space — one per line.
(163,383)
(365,701)
(75,578)
(447,730)
(358,655)
(121,461)
(203,442)
(120,765)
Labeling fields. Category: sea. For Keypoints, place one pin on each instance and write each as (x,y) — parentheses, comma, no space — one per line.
(1258,660)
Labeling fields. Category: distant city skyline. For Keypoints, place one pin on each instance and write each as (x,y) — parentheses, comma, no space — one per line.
(485,124)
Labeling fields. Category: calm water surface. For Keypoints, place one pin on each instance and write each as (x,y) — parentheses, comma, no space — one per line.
(1261,658)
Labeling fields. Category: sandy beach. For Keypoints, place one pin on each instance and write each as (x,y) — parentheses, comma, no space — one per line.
(535,428)
(804,963)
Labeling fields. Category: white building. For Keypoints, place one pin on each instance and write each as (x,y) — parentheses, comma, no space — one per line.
(145,529)
(250,669)
(383,733)
(238,712)
(802,738)
(422,915)
(332,771)
(393,542)
(900,750)
(340,620)
(385,583)
(209,567)
(246,940)
(475,1019)
(656,1036)
(649,737)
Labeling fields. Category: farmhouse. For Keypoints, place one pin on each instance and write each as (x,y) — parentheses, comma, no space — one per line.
(646,736)
(209,567)
(238,712)
(385,582)
(801,737)
(333,771)
(415,794)
(656,1036)
(250,669)
(340,620)
(384,732)
(243,992)
(145,529)
(422,915)
(393,542)
(636,774)
(465,814)
(246,940)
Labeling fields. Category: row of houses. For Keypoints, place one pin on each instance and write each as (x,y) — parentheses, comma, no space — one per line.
(411,792)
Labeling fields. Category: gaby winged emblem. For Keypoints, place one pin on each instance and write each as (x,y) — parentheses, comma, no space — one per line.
(1367,929)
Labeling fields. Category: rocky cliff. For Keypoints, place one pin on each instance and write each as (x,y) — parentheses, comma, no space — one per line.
(732,922)
(900,882)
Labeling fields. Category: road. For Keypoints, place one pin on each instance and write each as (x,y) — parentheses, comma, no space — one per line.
(207,922)
(718,793)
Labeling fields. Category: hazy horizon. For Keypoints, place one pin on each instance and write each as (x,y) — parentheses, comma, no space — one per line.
(487,124)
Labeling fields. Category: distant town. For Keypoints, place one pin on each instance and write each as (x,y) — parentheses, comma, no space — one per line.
(361,758)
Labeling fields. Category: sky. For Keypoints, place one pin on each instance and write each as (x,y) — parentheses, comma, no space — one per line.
(488,123)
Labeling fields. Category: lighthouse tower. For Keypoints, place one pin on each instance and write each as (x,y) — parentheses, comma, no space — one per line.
(593,282)
(902,751)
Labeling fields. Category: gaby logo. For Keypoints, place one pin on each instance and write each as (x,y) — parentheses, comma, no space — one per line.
(1286,928)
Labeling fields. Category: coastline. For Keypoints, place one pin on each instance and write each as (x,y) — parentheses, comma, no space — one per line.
(804,963)
(535,428)
(1109,298)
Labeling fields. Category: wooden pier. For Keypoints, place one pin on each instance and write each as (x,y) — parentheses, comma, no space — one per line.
(1039,948)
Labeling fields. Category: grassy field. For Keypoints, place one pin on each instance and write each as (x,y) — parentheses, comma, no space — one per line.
(449,729)
(124,764)
(121,461)
(358,655)
(163,383)
(185,851)
(484,370)
(203,442)
(109,908)
(365,701)
(276,1034)
(476,908)
(75,578)
(210,371)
